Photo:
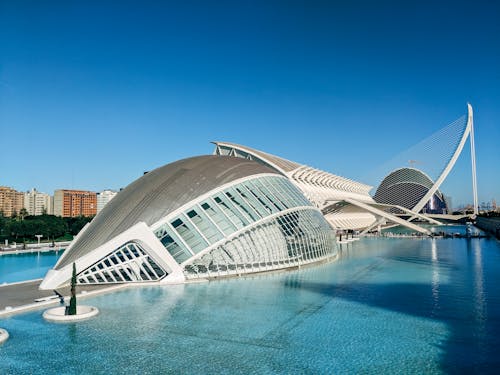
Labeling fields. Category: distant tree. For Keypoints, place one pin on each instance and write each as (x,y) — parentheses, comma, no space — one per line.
(16,229)
(30,228)
(23,213)
(77,224)
(56,226)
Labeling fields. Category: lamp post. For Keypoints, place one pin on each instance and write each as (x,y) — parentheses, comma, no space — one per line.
(38,236)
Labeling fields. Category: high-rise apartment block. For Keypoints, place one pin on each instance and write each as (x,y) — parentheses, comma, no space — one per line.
(11,201)
(37,203)
(104,197)
(73,203)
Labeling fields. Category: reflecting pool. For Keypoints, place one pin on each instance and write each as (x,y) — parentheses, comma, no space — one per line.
(26,266)
(388,305)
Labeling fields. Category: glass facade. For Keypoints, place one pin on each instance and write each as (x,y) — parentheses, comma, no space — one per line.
(129,263)
(225,212)
(295,238)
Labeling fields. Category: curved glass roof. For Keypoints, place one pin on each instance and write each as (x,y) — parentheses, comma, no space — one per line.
(158,193)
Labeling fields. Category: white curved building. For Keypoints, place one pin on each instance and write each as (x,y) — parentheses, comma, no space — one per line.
(202,217)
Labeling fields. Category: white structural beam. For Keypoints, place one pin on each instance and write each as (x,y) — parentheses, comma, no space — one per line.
(387,216)
(415,214)
(378,222)
(448,167)
(473,159)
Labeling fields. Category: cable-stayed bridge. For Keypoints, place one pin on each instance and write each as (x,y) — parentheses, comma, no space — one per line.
(416,187)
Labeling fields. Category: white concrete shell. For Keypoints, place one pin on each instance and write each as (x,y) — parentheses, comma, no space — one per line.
(202,217)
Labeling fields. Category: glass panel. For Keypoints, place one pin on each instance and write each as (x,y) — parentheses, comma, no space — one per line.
(299,198)
(259,196)
(264,191)
(241,204)
(189,234)
(219,218)
(238,219)
(251,200)
(276,190)
(205,226)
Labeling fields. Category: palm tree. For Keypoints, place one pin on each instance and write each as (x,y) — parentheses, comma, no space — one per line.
(23,213)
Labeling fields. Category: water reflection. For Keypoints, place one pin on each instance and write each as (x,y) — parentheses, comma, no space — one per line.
(435,275)
(480,304)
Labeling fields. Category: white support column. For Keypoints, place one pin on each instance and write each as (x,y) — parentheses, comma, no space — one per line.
(473,160)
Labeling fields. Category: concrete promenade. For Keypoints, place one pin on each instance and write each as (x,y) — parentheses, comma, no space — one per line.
(33,248)
(25,296)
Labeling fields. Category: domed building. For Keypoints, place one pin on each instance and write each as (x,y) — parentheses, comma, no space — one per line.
(201,217)
(405,187)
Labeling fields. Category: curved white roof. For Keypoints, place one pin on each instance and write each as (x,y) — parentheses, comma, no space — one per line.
(158,193)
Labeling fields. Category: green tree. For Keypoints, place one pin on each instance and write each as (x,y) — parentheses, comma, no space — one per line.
(76,224)
(23,213)
(16,229)
(54,226)
(3,223)
(72,301)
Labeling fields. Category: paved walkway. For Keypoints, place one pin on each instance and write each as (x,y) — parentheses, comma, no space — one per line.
(22,294)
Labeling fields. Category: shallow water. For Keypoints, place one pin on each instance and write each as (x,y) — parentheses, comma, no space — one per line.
(387,306)
(26,266)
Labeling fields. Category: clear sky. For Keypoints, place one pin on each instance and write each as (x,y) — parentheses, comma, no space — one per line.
(93,93)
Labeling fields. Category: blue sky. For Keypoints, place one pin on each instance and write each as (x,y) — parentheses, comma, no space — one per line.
(94,93)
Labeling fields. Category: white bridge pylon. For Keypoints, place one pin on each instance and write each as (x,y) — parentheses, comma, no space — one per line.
(469,132)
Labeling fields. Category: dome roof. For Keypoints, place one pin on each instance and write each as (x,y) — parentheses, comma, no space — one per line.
(404,187)
(157,194)
(406,175)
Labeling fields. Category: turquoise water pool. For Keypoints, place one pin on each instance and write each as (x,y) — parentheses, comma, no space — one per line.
(26,266)
(386,306)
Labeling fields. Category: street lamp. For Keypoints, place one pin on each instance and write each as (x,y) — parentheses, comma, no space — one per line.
(38,236)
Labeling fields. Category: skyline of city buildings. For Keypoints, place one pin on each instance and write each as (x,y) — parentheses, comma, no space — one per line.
(73,203)
(37,203)
(70,202)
